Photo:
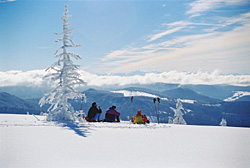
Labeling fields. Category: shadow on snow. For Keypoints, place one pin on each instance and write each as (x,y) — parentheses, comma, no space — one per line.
(81,130)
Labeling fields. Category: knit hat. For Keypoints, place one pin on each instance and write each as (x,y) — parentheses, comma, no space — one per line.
(139,112)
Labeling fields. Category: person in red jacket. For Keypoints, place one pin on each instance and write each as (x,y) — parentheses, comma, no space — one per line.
(140,118)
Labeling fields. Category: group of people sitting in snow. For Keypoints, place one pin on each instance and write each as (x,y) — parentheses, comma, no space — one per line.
(112,115)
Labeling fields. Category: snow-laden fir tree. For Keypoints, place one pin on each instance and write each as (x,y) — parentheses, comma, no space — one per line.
(64,73)
(178,113)
(223,122)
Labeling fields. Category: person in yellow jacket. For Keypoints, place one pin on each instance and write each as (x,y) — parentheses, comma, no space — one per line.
(140,118)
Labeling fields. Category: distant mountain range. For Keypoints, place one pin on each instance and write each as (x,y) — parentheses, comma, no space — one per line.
(15,105)
(185,93)
(203,104)
(220,92)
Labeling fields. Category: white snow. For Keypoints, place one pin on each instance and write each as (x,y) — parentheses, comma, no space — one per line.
(188,101)
(127,93)
(212,105)
(237,95)
(187,111)
(27,141)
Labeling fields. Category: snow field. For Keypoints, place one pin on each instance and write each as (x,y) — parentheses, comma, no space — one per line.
(26,141)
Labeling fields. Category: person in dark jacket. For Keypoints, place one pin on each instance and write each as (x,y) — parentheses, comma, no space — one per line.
(112,115)
(94,113)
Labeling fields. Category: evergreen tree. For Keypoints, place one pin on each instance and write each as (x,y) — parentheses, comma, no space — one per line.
(178,113)
(64,73)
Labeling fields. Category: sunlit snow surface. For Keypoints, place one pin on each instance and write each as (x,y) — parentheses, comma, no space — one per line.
(237,95)
(127,93)
(188,101)
(29,141)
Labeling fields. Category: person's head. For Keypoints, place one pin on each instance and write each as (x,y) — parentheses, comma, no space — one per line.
(139,112)
(94,104)
(113,107)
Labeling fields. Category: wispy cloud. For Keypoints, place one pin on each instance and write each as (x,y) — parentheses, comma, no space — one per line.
(125,56)
(199,6)
(172,28)
(224,51)
(3,1)
(220,43)
(34,78)
(224,22)
(170,31)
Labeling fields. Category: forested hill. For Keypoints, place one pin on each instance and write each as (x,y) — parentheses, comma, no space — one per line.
(15,105)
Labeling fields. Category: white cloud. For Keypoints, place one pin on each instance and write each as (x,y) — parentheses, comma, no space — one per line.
(20,78)
(159,35)
(115,54)
(2,1)
(34,78)
(226,51)
(181,23)
(200,6)
(218,43)
(125,56)
(173,28)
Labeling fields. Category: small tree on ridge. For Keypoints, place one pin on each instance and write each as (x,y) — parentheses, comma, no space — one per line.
(178,113)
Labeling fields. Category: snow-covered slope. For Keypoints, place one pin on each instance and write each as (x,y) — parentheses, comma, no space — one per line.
(28,141)
(237,95)
(10,103)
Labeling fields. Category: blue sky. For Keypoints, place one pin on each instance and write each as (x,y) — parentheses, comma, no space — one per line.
(127,36)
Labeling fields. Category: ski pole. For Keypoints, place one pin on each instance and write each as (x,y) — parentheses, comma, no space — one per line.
(158,99)
(131,106)
(155,109)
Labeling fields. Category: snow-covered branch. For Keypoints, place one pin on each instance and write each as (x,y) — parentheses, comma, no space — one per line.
(65,73)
